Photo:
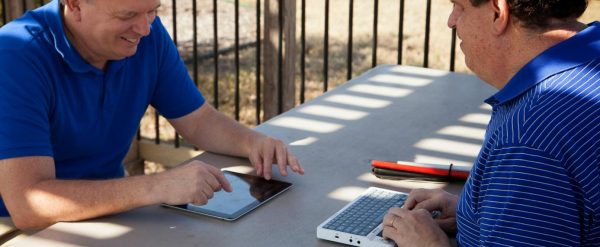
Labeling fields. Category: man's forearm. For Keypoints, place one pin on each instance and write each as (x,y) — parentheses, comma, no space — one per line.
(212,131)
(51,201)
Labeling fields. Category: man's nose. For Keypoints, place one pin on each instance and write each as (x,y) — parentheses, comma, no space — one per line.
(142,25)
(452,20)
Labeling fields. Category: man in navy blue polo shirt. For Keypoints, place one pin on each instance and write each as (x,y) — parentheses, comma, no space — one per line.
(77,76)
(536,181)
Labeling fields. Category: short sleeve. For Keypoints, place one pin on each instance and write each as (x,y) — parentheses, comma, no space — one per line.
(25,106)
(175,94)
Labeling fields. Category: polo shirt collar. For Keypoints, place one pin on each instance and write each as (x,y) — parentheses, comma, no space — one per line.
(53,18)
(575,51)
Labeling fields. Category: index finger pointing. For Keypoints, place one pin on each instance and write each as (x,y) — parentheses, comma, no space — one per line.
(222,179)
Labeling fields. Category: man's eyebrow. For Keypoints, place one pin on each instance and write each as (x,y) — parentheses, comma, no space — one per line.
(127,12)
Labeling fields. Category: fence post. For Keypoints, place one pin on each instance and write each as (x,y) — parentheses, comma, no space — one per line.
(289,59)
(271,93)
(30,4)
(14,9)
(270,60)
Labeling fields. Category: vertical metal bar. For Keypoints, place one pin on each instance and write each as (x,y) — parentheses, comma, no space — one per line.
(303,53)
(237,60)
(350,24)
(174,13)
(195,40)
(375,17)
(24,5)
(453,49)
(216,57)
(427,25)
(174,10)
(138,135)
(258,55)
(156,126)
(401,32)
(4,12)
(289,51)
(326,48)
(280,60)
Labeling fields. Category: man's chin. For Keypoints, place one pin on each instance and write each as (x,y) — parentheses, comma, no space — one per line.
(126,54)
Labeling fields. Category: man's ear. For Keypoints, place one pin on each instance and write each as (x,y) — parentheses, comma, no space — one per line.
(74,8)
(501,16)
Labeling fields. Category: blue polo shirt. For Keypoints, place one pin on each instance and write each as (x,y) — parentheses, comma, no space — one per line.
(53,103)
(536,181)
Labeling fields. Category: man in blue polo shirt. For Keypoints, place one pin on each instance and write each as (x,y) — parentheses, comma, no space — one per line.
(536,181)
(77,76)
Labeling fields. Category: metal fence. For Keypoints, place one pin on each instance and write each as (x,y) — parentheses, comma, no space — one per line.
(3,12)
(216,51)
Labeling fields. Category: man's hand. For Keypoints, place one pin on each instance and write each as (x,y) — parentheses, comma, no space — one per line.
(266,151)
(413,228)
(212,131)
(435,200)
(194,182)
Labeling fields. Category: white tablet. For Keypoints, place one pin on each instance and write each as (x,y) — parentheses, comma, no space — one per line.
(249,192)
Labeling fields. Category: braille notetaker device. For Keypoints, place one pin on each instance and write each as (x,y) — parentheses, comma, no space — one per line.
(360,222)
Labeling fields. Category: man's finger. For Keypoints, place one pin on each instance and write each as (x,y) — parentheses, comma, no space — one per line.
(281,152)
(429,205)
(213,182)
(389,219)
(218,174)
(415,197)
(398,212)
(267,162)
(257,163)
(200,199)
(390,233)
(294,164)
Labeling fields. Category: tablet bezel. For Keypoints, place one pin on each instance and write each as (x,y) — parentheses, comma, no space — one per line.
(281,186)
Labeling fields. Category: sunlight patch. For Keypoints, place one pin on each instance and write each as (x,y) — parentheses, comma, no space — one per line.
(381,90)
(305,124)
(358,101)
(333,112)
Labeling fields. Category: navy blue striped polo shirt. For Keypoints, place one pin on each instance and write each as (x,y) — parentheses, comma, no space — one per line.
(536,181)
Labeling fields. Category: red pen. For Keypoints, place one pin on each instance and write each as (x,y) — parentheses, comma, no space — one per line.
(450,171)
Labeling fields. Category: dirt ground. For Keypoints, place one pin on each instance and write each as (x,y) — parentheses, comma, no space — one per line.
(388,24)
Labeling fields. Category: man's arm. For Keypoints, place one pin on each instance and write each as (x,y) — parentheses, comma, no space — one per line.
(210,130)
(35,198)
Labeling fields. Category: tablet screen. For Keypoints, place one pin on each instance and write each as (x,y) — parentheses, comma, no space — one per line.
(249,192)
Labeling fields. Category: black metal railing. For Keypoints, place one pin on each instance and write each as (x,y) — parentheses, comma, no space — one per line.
(4,12)
(217,51)
(302,65)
